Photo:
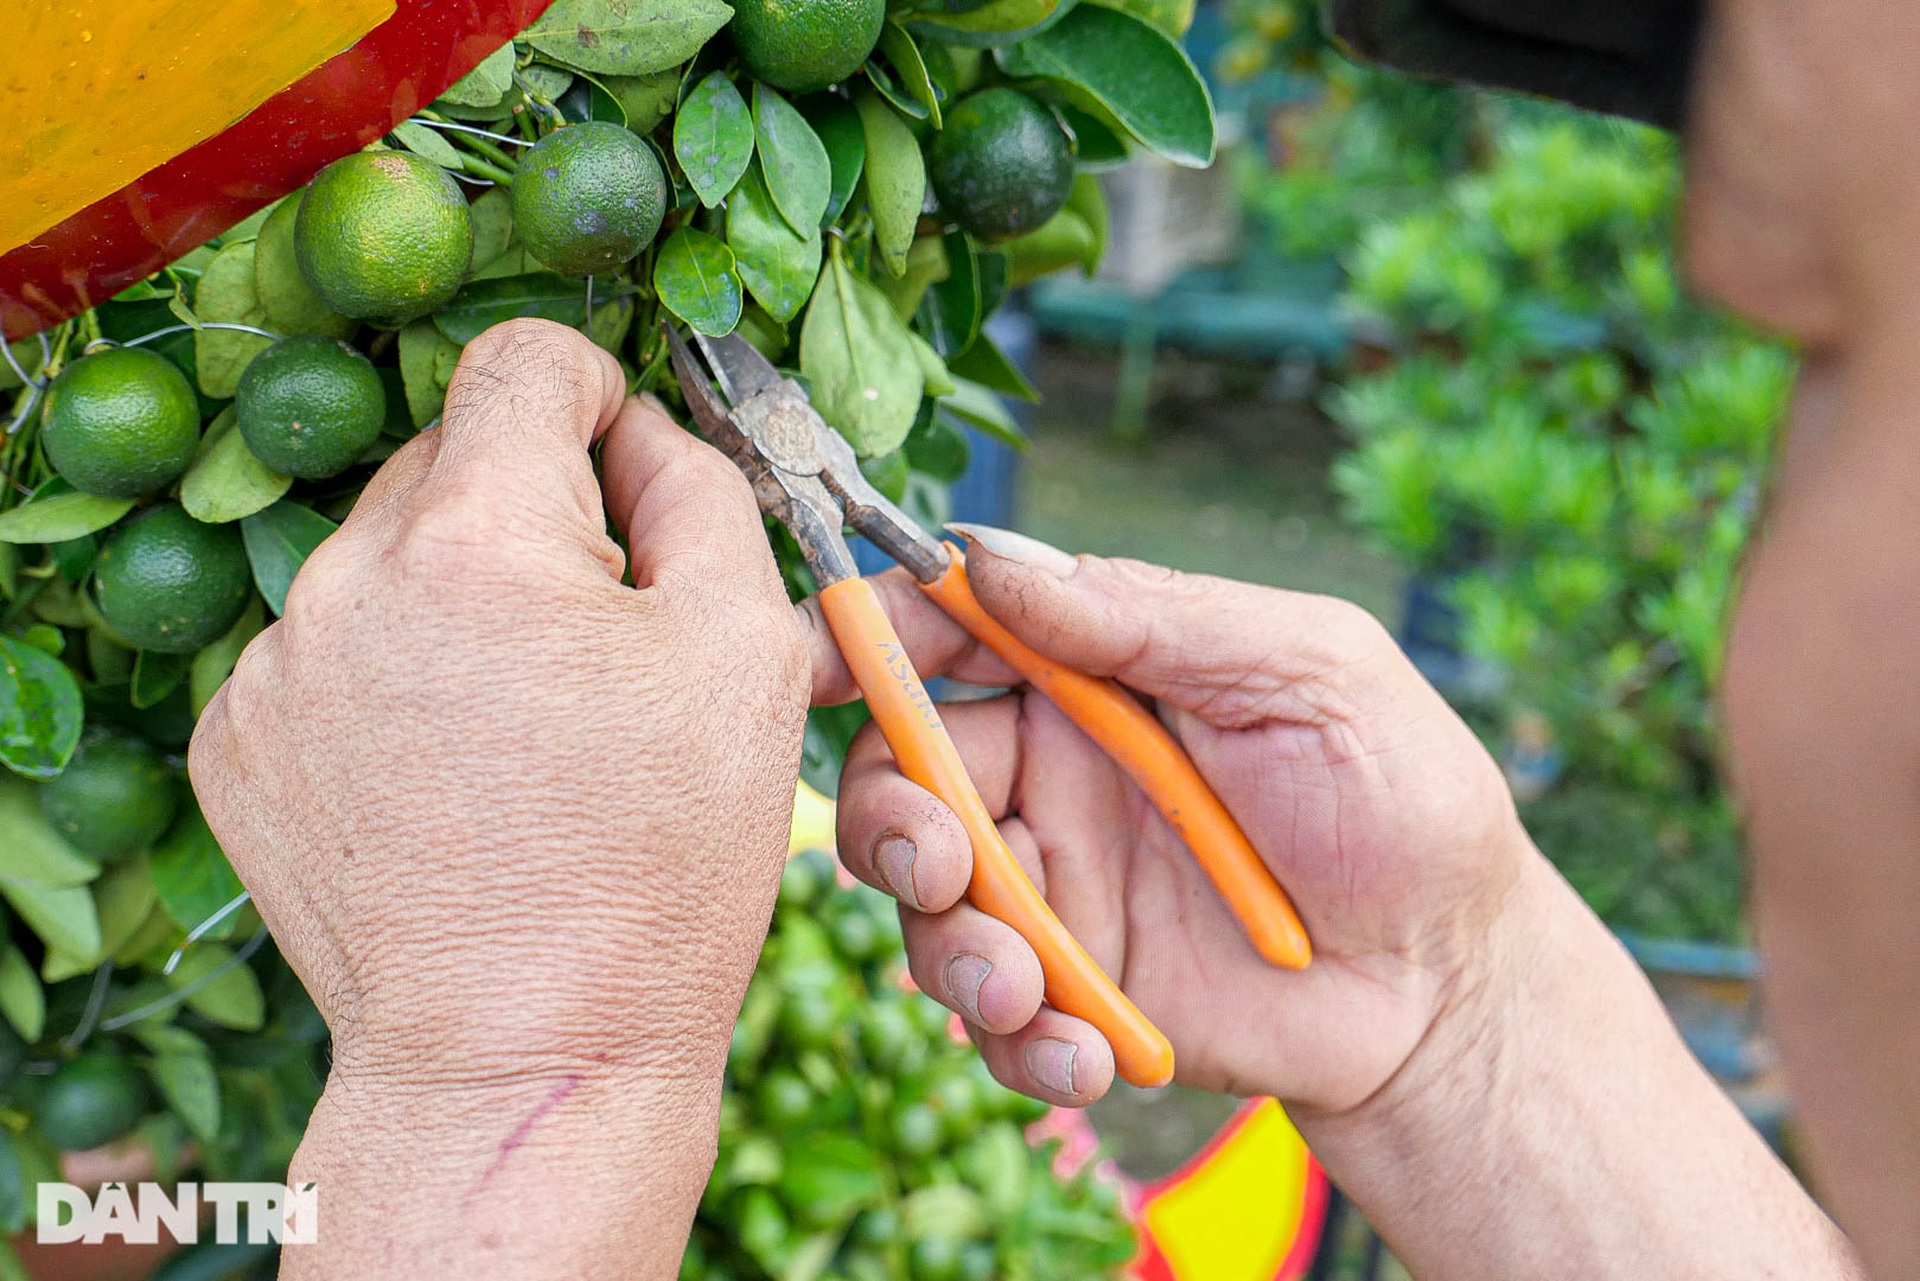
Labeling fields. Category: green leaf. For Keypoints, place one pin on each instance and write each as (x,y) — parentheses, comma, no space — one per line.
(860,361)
(124,899)
(32,848)
(696,279)
(1096,146)
(792,159)
(22,1000)
(911,68)
(882,82)
(896,180)
(975,404)
(1064,240)
(212,665)
(233,999)
(40,710)
(939,382)
(482,304)
(713,138)
(226,293)
(927,265)
(834,1175)
(838,127)
(487,83)
(290,304)
(778,265)
(984,363)
(225,481)
(155,676)
(626,37)
(426,357)
(492,214)
(1127,73)
(279,540)
(647,99)
(191,875)
(427,143)
(944,1209)
(951,314)
(62,917)
(61,516)
(15,1193)
(182,1068)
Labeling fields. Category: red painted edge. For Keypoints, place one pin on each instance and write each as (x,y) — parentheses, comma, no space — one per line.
(337,108)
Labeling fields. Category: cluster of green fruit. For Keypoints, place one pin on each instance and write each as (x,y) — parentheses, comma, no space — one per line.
(858,1140)
(853,186)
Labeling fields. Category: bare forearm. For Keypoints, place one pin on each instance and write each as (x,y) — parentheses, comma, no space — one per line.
(1555,1125)
(575,1178)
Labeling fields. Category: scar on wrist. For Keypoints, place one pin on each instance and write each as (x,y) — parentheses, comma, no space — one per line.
(524,1131)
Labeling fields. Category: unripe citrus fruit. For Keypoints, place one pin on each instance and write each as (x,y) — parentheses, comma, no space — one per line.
(168,583)
(91,1100)
(310,406)
(803,45)
(588,198)
(116,797)
(121,422)
(384,236)
(1002,166)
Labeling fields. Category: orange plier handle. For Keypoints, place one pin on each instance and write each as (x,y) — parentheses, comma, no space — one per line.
(1141,745)
(911,724)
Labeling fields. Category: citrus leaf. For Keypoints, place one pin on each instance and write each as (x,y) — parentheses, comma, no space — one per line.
(1175,17)
(896,180)
(290,304)
(778,265)
(984,363)
(997,23)
(838,127)
(182,1068)
(792,159)
(482,304)
(226,293)
(62,917)
(860,361)
(424,352)
(212,665)
(1096,146)
(939,382)
(492,214)
(696,279)
(647,99)
(233,999)
(427,144)
(40,711)
(713,138)
(1125,72)
(882,81)
(124,899)
(626,37)
(16,1190)
(911,68)
(61,516)
(979,406)
(279,540)
(833,1175)
(22,999)
(32,848)
(486,84)
(191,876)
(155,676)
(953,310)
(225,482)
(1064,240)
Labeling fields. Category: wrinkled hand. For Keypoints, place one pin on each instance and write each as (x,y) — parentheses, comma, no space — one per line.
(1374,805)
(516,825)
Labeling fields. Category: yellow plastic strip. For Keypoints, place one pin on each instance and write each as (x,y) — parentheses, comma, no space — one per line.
(97,92)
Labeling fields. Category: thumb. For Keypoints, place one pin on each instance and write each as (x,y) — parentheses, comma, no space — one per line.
(1231,653)
(526,400)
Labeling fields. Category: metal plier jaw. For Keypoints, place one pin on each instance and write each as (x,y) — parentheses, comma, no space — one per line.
(804,473)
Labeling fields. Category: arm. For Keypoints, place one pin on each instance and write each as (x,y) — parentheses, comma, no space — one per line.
(1476,1060)
(514,828)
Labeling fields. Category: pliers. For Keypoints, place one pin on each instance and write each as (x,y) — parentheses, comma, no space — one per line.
(805,475)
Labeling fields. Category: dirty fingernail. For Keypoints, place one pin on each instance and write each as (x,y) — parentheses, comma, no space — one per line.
(965,975)
(895,857)
(1051,1061)
(1044,557)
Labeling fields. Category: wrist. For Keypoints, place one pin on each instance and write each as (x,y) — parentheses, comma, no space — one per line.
(578,1170)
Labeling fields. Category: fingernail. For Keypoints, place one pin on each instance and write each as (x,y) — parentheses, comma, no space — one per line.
(965,975)
(894,855)
(1044,557)
(1051,1061)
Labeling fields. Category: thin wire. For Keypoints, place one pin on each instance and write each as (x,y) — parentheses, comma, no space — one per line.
(179,995)
(480,133)
(205,324)
(33,379)
(200,931)
(95,999)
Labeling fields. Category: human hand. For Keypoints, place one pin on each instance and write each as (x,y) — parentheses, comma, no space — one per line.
(1372,802)
(517,826)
